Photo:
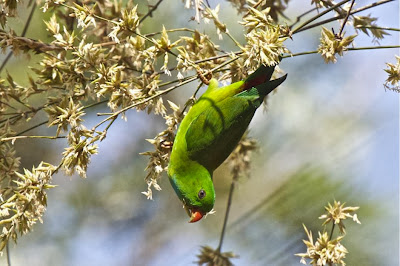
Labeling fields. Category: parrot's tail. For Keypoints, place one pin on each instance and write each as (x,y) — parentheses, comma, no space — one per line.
(258,85)
(271,85)
(260,76)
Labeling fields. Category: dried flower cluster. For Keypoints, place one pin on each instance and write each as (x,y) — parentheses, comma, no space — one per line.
(240,158)
(9,162)
(325,250)
(331,44)
(338,213)
(196,48)
(212,14)
(274,7)
(393,81)
(158,159)
(265,39)
(24,204)
(211,257)
(8,9)
(367,24)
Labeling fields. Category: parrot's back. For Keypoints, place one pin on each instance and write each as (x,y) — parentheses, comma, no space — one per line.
(220,117)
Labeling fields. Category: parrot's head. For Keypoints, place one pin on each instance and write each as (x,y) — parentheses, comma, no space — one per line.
(197,196)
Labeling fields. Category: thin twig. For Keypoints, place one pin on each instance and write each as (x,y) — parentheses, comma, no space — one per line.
(8,254)
(233,39)
(348,49)
(331,234)
(27,23)
(202,61)
(143,101)
(197,90)
(378,28)
(16,115)
(9,105)
(192,99)
(15,98)
(109,125)
(94,104)
(299,28)
(173,81)
(217,57)
(302,15)
(153,42)
(223,64)
(33,127)
(346,18)
(245,216)
(301,53)
(373,47)
(329,3)
(150,11)
(340,17)
(208,8)
(45,122)
(171,30)
(228,207)
(32,137)
(5,60)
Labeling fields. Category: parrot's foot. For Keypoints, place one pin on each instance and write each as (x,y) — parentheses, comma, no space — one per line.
(167,144)
(205,78)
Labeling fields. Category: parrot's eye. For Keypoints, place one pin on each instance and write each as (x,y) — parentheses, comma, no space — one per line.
(201,194)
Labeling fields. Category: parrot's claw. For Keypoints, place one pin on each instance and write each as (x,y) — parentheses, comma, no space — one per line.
(167,144)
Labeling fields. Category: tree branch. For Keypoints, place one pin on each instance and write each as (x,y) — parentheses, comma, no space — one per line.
(150,13)
(228,207)
(346,18)
(31,137)
(298,18)
(378,28)
(340,17)
(299,28)
(27,23)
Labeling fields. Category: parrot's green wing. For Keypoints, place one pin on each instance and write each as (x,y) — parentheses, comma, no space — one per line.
(215,132)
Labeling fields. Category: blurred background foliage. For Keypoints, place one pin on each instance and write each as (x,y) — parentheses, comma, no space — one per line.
(330,132)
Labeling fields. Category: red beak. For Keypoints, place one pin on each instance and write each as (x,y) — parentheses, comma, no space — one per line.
(196,216)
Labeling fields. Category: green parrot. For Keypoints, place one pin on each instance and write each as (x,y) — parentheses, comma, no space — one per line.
(208,134)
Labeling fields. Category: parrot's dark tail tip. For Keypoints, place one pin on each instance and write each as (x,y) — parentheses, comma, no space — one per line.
(276,82)
(272,84)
